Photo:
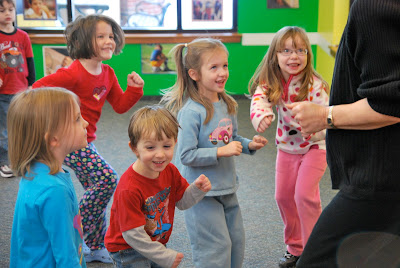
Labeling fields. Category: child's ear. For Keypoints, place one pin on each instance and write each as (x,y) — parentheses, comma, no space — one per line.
(133,149)
(130,146)
(193,74)
(52,140)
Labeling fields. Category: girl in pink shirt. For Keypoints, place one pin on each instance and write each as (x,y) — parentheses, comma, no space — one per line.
(284,76)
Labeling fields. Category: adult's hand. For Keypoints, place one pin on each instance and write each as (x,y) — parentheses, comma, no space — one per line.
(311,116)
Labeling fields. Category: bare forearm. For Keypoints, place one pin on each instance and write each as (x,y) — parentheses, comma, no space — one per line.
(360,115)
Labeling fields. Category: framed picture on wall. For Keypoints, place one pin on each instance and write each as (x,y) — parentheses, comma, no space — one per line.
(40,10)
(206,10)
(282,3)
(155,59)
(207,14)
(55,58)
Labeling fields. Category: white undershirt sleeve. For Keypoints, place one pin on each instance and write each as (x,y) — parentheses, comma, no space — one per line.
(140,241)
(190,198)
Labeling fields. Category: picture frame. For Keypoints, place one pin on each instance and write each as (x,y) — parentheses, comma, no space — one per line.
(40,10)
(273,4)
(166,66)
(150,15)
(54,58)
(210,14)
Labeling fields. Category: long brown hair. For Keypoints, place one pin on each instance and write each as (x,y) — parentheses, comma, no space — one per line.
(269,74)
(189,56)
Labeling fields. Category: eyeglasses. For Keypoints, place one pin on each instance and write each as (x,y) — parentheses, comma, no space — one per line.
(299,52)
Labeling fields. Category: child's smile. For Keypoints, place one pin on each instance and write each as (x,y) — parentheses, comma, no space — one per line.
(294,63)
(153,155)
(105,42)
(213,74)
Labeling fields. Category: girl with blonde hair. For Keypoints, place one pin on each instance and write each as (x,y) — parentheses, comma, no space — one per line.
(45,125)
(284,76)
(207,141)
(90,41)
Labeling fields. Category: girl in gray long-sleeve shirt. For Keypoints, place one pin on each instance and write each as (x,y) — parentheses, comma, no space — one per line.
(207,141)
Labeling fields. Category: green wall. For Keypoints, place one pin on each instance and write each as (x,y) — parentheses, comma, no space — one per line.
(253,17)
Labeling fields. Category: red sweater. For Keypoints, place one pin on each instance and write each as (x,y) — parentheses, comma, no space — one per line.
(93,91)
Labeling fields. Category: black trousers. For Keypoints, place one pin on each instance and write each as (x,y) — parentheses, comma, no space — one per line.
(355,233)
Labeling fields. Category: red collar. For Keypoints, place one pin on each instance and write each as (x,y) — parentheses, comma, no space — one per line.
(285,94)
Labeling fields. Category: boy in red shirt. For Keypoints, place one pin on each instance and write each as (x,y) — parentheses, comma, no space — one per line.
(142,213)
(17,72)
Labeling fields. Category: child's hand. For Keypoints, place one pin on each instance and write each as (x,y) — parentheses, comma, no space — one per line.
(134,80)
(232,148)
(178,260)
(203,183)
(46,10)
(264,124)
(258,142)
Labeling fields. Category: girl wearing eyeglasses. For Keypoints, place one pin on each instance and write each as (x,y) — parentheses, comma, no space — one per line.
(286,75)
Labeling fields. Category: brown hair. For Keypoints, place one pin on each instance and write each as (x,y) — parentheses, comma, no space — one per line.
(81,36)
(11,2)
(185,87)
(151,119)
(268,72)
(33,115)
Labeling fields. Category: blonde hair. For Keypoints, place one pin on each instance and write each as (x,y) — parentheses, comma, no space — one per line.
(269,74)
(189,56)
(151,119)
(34,115)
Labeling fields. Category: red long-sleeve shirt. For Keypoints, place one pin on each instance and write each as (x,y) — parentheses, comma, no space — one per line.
(93,91)
(16,62)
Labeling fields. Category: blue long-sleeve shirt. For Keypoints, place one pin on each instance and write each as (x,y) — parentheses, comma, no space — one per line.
(47,230)
(197,146)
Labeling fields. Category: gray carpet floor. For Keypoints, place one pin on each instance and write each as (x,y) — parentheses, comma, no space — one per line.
(263,225)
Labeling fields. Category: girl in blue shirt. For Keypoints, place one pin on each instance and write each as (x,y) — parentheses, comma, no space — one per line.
(44,126)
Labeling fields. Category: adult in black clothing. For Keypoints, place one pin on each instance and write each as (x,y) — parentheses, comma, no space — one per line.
(361,225)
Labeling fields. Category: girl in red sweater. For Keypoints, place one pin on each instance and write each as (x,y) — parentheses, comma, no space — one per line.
(91,40)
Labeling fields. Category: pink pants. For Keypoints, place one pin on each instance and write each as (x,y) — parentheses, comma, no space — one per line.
(297,194)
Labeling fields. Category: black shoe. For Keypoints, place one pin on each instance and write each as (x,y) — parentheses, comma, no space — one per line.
(288,260)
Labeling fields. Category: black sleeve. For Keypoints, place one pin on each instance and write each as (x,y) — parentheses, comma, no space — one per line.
(374,53)
(31,70)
